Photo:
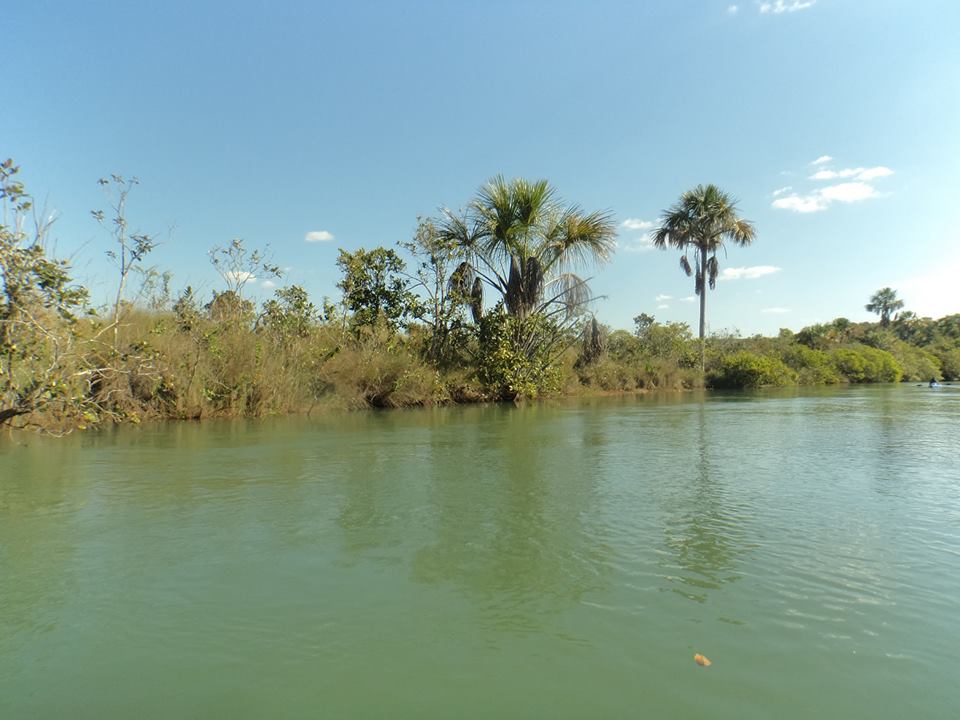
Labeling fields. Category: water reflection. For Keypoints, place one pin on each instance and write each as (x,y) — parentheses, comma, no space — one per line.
(704,536)
(37,543)
(508,526)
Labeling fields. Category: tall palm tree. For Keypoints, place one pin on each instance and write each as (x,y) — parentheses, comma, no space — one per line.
(884,303)
(520,238)
(701,221)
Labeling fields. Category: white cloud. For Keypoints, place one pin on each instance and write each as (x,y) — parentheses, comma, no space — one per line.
(748,273)
(661,298)
(663,307)
(821,160)
(238,277)
(268,284)
(862,174)
(834,174)
(636,224)
(642,244)
(780,191)
(732,10)
(688,298)
(785,6)
(822,198)
(318,236)
(801,203)
(775,310)
(848,192)
(873,173)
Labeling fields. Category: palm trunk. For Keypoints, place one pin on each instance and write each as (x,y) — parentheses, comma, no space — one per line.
(703,308)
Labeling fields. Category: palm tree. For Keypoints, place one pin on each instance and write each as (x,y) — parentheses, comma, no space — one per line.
(702,220)
(521,239)
(884,303)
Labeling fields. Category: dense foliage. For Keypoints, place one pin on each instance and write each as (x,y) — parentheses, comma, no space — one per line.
(396,337)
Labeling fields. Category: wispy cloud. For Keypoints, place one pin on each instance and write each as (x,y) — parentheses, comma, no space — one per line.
(862,174)
(641,244)
(688,298)
(775,310)
(636,224)
(748,273)
(785,6)
(268,284)
(318,236)
(819,199)
(239,277)
(732,9)
(780,191)
(873,173)
(661,298)
(663,307)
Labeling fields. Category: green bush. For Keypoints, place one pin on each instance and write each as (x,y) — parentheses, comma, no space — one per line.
(862,364)
(917,363)
(813,367)
(514,358)
(745,369)
(949,359)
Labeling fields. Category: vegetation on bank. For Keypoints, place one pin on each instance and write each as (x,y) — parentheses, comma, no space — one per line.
(483,305)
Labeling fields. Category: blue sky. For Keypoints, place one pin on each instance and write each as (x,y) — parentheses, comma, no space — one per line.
(836,123)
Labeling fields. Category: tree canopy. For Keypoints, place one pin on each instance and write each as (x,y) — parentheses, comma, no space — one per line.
(884,302)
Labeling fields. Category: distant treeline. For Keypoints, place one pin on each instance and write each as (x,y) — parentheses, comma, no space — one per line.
(403,333)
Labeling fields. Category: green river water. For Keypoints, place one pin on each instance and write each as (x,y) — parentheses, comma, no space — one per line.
(560,560)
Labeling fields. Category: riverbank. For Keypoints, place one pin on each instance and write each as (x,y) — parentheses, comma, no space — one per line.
(188,363)
(396,337)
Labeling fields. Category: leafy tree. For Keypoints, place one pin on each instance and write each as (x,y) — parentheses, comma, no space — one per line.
(525,243)
(702,221)
(39,367)
(824,335)
(374,286)
(289,314)
(884,303)
(643,323)
(671,340)
(949,327)
(435,277)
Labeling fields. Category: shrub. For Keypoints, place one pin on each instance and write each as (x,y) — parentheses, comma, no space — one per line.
(514,358)
(862,364)
(813,367)
(748,370)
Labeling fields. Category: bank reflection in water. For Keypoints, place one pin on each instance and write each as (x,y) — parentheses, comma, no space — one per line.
(508,524)
(38,507)
(703,535)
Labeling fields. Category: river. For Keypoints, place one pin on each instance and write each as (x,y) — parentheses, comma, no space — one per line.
(559,560)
